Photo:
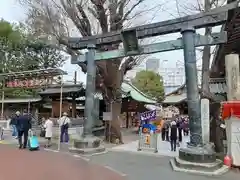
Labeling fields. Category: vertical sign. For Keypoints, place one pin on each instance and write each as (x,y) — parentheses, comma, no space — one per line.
(205,120)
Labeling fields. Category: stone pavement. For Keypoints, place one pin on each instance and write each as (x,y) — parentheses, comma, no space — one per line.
(143,167)
(43,165)
(164,148)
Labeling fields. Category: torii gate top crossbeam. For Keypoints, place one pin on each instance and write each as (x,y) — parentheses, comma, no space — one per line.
(214,17)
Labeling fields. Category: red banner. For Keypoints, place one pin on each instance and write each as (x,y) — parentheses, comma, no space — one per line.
(230,108)
(29,83)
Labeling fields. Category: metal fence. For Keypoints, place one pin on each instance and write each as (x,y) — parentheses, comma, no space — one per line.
(148,141)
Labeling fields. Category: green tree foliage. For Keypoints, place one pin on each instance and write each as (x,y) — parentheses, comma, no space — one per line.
(19,51)
(150,83)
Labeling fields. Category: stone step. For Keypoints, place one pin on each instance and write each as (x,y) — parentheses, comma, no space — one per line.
(210,169)
(199,166)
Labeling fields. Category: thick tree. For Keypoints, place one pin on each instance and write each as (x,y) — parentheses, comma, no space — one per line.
(19,51)
(10,40)
(150,83)
(60,19)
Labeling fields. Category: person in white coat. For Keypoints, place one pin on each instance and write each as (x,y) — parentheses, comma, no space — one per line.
(48,125)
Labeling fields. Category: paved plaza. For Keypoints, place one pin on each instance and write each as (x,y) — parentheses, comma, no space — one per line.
(43,165)
(164,148)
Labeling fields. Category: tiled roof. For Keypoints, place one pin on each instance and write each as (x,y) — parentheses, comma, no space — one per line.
(57,89)
(217,86)
(127,90)
(136,94)
(21,100)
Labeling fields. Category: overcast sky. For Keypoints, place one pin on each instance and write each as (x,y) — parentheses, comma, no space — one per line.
(10,11)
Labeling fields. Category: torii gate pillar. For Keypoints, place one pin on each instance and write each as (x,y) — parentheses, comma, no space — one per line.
(195,150)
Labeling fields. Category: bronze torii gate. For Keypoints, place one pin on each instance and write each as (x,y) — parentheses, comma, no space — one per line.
(196,151)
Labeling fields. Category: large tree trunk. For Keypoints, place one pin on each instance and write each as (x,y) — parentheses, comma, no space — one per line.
(114,134)
(113,101)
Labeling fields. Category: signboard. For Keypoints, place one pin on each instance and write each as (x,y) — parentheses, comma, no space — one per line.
(28,83)
(148,116)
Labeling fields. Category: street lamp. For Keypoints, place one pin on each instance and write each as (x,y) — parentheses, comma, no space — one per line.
(3,95)
(60,110)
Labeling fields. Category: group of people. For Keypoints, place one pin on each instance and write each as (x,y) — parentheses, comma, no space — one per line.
(173,130)
(22,123)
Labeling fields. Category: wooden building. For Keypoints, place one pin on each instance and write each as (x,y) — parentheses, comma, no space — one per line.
(52,94)
(178,97)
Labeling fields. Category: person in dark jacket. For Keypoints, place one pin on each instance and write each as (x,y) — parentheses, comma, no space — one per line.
(13,123)
(173,135)
(167,130)
(179,126)
(23,126)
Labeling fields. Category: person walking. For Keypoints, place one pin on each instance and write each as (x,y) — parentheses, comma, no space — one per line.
(23,126)
(48,125)
(13,123)
(173,135)
(163,132)
(179,127)
(167,130)
(64,123)
(186,128)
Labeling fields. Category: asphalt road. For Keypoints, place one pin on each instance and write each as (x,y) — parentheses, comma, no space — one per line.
(42,165)
(143,167)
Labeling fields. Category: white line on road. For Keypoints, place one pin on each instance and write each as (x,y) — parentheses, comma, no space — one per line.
(116,171)
(51,150)
(81,157)
(95,154)
(67,153)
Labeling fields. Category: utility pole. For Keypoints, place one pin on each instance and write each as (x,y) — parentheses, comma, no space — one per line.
(74,105)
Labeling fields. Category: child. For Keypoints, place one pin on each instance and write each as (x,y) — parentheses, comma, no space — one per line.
(48,131)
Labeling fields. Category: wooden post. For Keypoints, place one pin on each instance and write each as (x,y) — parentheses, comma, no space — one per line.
(232,80)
